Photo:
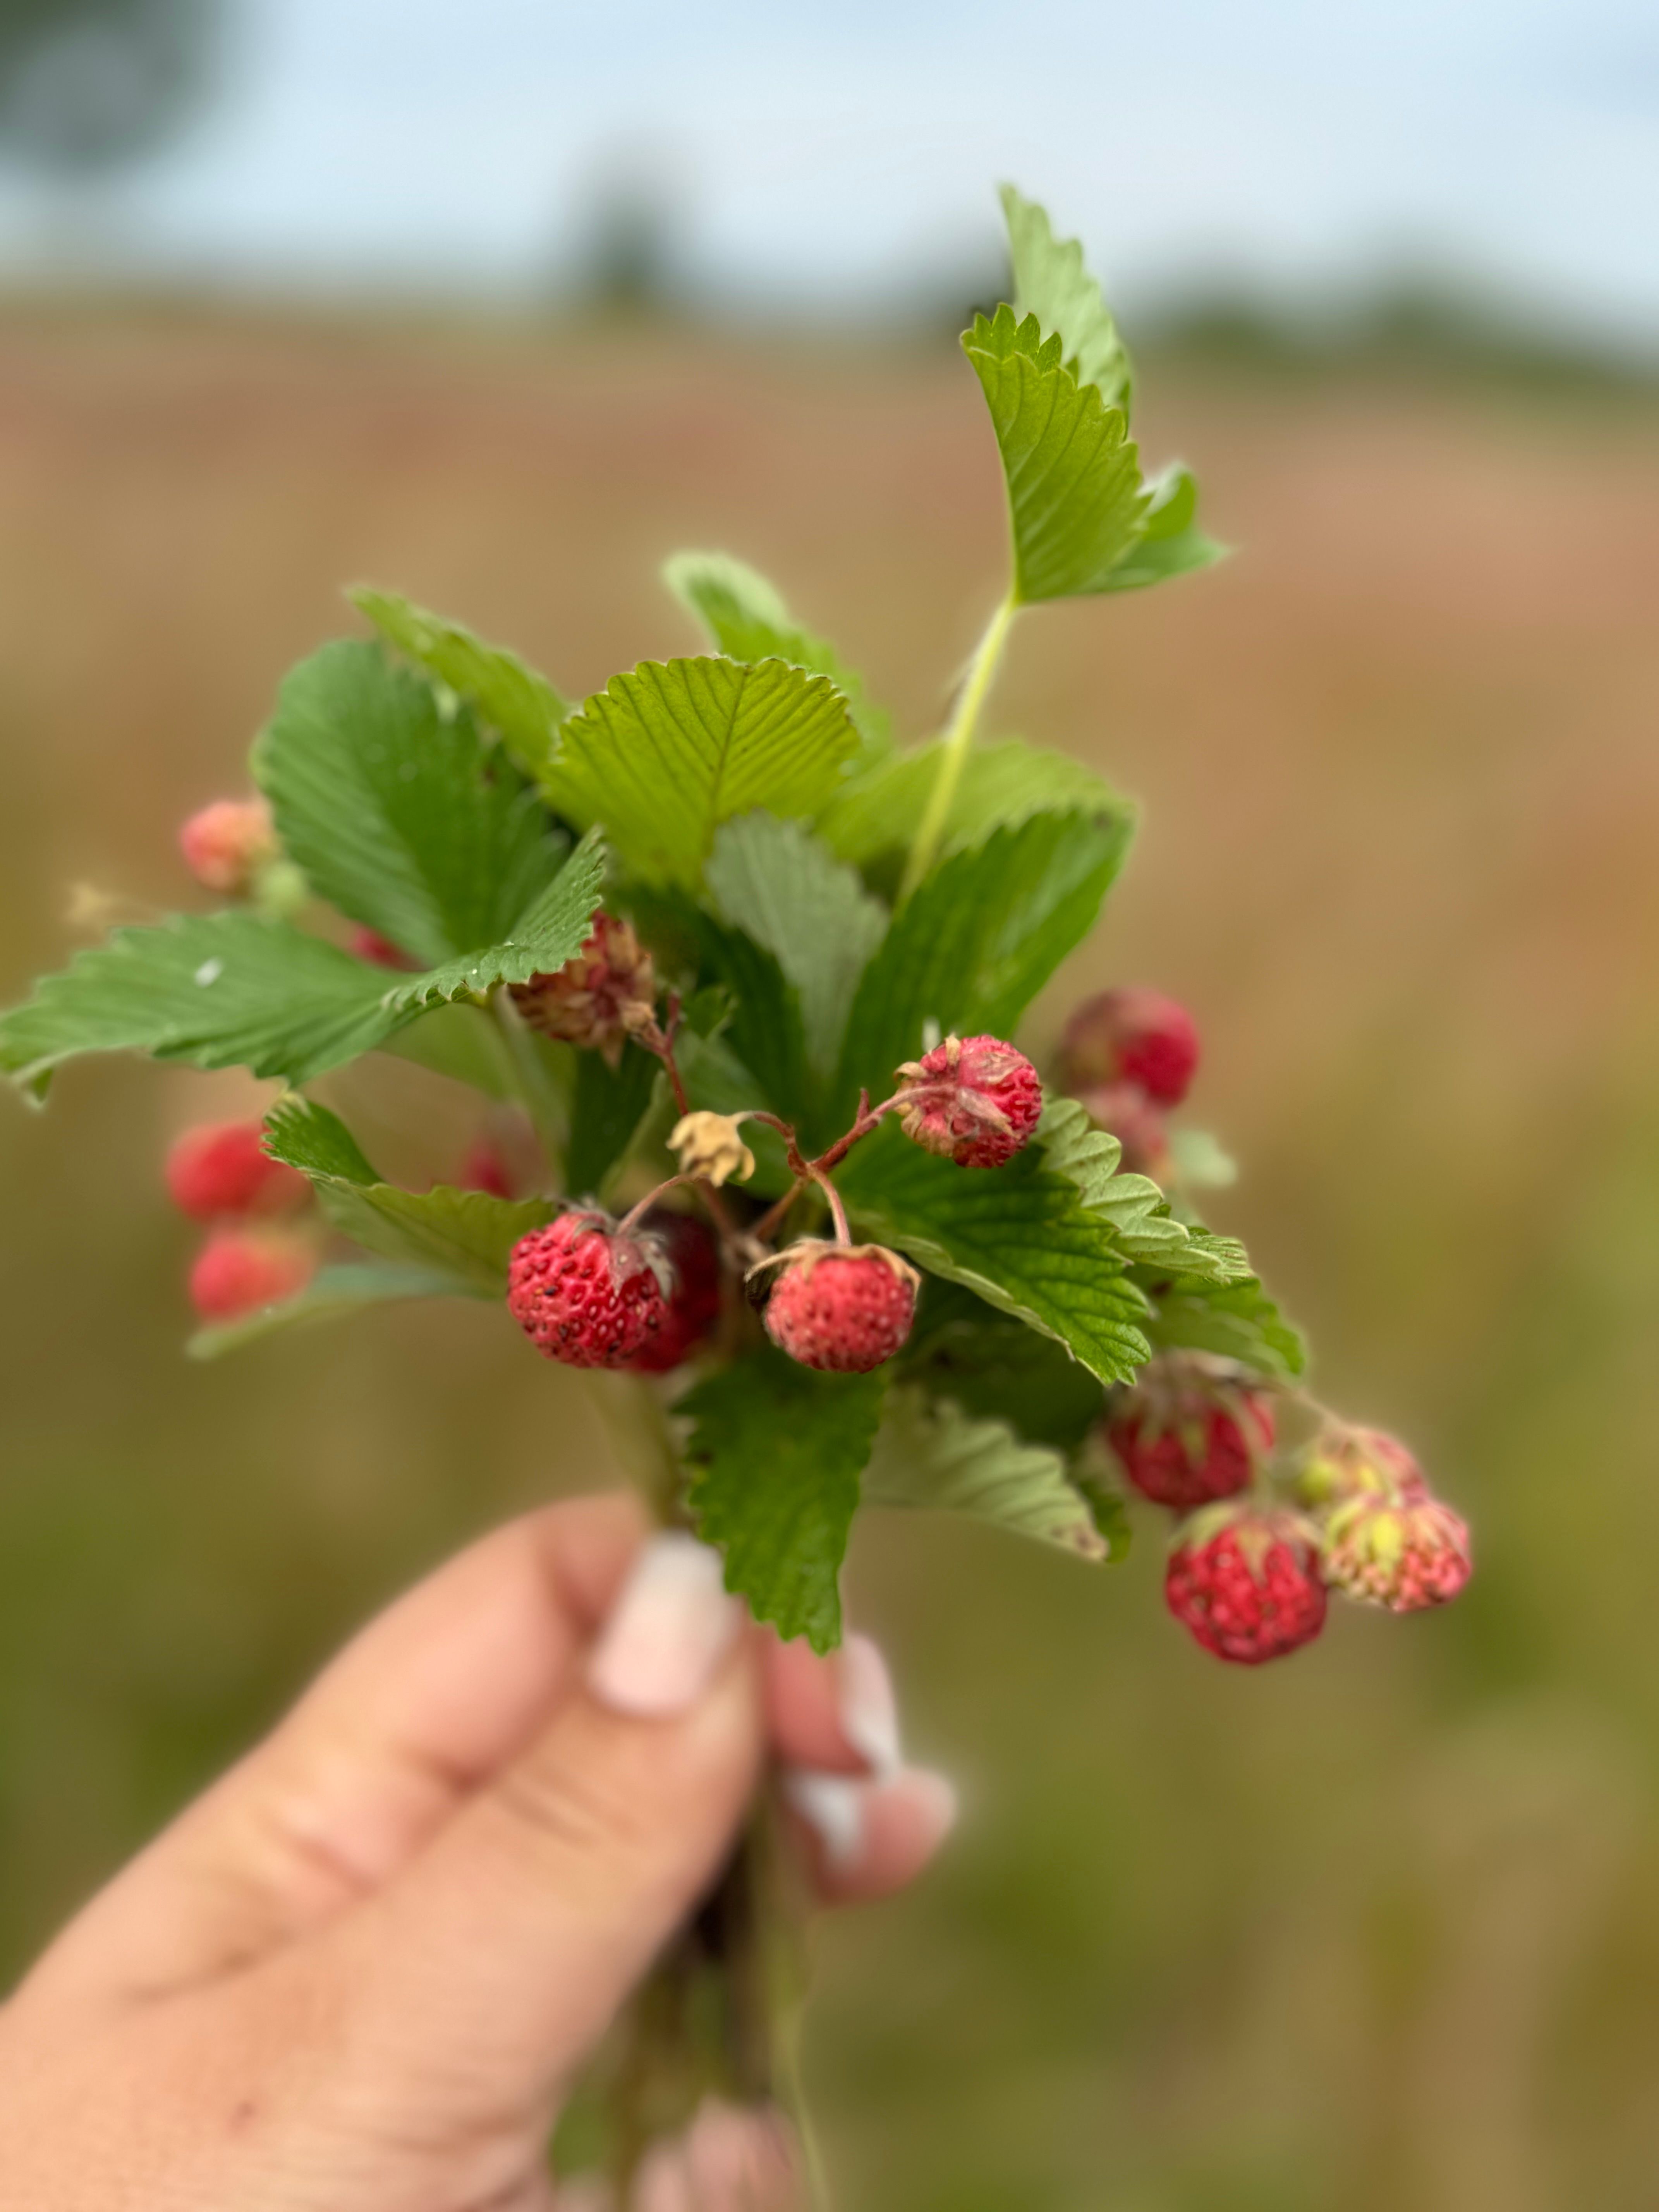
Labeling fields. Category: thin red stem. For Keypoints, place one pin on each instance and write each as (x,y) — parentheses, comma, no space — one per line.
(818,1170)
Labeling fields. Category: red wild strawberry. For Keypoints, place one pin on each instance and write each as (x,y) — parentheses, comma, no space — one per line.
(484,1169)
(1130,1034)
(586,1294)
(601,998)
(1246,1584)
(242,1269)
(1402,1553)
(1126,1112)
(974,1100)
(226,845)
(843,1308)
(694,1305)
(1190,1430)
(379,952)
(222,1168)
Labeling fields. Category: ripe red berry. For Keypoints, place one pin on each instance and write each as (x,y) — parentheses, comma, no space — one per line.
(380,951)
(1402,1553)
(226,844)
(843,1308)
(221,1168)
(601,998)
(974,1100)
(1190,1430)
(241,1269)
(1131,1034)
(1246,1584)
(586,1294)
(1126,1111)
(694,1305)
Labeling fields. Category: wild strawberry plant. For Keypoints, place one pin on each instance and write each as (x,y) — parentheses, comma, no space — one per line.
(738,975)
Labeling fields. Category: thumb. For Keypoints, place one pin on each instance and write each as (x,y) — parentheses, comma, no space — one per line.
(482,1976)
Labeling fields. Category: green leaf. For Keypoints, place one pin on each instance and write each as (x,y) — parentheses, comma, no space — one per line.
(465,1235)
(330,1292)
(1052,283)
(764,1025)
(517,702)
(463,1042)
(609,1106)
(879,811)
(746,618)
(218,990)
(1170,544)
(929,1453)
(777,1451)
(1076,503)
(997,1369)
(1018,1236)
(1143,1227)
(782,888)
(1238,1321)
(549,932)
(395,811)
(665,754)
(979,939)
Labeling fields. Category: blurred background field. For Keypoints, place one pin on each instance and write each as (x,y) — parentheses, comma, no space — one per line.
(1379,1926)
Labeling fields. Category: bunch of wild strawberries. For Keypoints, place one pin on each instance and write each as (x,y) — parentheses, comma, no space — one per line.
(1263,1534)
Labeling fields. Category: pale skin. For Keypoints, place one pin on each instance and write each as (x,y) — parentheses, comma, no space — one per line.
(359,1974)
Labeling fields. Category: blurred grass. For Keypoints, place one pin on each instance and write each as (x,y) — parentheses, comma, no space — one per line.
(1376,1928)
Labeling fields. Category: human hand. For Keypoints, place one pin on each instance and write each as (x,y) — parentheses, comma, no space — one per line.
(358,1975)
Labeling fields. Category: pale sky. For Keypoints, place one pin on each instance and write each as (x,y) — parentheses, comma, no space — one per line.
(817,155)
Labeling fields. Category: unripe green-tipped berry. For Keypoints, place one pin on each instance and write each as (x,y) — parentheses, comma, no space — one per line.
(1403,1554)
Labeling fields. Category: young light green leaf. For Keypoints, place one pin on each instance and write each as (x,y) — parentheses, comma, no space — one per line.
(217,990)
(551,930)
(777,1452)
(521,706)
(1237,1320)
(1143,1227)
(331,1291)
(1201,1163)
(395,811)
(1020,1238)
(929,1453)
(746,619)
(466,1236)
(1076,503)
(980,939)
(667,752)
(1052,283)
(878,811)
(1170,544)
(782,888)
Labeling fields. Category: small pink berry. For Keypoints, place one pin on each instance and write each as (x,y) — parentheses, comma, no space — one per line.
(484,1169)
(601,998)
(974,1100)
(1130,1034)
(222,1168)
(841,1308)
(1246,1584)
(1404,1554)
(241,1269)
(380,953)
(226,845)
(586,1295)
(1190,1430)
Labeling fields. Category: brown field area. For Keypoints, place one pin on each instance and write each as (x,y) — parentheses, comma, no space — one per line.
(1377,1928)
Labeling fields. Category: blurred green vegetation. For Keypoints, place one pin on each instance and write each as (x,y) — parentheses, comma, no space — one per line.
(1378,1927)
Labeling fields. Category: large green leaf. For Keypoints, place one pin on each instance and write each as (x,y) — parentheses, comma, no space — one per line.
(777,1451)
(1020,1237)
(395,810)
(513,698)
(1143,1227)
(1235,1320)
(746,618)
(217,990)
(783,889)
(1170,544)
(763,1026)
(929,1453)
(551,930)
(331,1292)
(605,1113)
(997,1369)
(1052,283)
(980,939)
(879,811)
(465,1235)
(1076,503)
(667,752)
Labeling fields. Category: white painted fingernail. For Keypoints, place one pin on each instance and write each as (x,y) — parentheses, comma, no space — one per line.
(869,1710)
(667,1632)
(832,1806)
